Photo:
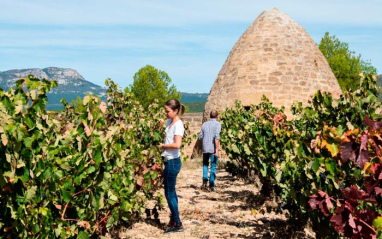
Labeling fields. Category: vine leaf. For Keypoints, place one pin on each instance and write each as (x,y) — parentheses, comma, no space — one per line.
(322,201)
(87,129)
(332,148)
(31,193)
(377,223)
(353,193)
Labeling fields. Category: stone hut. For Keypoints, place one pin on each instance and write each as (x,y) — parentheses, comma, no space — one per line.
(274,57)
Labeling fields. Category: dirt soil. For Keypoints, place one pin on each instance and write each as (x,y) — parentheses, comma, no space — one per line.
(234,210)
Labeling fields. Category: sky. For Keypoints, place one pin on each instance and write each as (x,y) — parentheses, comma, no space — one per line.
(189,40)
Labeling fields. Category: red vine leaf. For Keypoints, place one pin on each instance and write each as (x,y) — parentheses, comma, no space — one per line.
(348,146)
(362,158)
(378,191)
(353,193)
(367,121)
(372,123)
(321,200)
(373,182)
(351,221)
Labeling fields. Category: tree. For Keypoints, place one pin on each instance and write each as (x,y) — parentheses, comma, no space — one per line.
(150,84)
(345,65)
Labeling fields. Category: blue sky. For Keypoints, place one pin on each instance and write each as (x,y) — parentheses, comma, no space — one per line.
(190,40)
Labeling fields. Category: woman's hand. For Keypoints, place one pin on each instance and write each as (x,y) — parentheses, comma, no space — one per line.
(161,146)
(161,121)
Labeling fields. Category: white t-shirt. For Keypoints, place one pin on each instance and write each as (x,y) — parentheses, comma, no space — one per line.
(176,129)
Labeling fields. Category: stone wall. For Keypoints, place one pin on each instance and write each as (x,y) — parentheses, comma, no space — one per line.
(195,123)
(274,57)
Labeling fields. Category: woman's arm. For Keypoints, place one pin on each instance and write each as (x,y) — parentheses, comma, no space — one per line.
(176,145)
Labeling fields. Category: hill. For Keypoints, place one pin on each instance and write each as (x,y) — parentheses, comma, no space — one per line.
(194,97)
(194,101)
(70,83)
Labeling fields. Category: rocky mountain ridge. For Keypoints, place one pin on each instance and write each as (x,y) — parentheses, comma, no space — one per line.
(70,83)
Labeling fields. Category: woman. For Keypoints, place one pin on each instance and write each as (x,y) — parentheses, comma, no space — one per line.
(171,158)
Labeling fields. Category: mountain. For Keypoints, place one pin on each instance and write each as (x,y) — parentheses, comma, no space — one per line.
(194,101)
(194,97)
(70,83)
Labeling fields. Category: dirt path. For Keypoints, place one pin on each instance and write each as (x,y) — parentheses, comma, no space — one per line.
(235,210)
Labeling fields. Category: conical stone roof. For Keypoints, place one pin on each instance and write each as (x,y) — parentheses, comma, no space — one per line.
(274,57)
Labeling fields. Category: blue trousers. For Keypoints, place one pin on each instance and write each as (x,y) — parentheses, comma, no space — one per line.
(214,161)
(171,170)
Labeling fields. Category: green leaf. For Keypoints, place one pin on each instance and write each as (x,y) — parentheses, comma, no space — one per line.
(18,107)
(377,223)
(332,148)
(126,206)
(90,170)
(247,150)
(43,211)
(59,174)
(67,191)
(67,195)
(111,196)
(316,164)
(66,166)
(82,235)
(28,142)
(331,166)
(235,148)
(23,174)
(58,230)
(98,156)
(30,122)
(340,130)
(278,176)
(31,193)
(53,152)
(47,173)
(263,169)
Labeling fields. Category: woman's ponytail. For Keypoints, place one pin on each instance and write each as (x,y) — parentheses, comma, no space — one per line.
(182,109)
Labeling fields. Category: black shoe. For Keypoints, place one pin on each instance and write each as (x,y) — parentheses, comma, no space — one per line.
(175,227)
(170,223)
(212,189)
(204,185)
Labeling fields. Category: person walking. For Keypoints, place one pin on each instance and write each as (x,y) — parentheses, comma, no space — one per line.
(210,134)
(171,158)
